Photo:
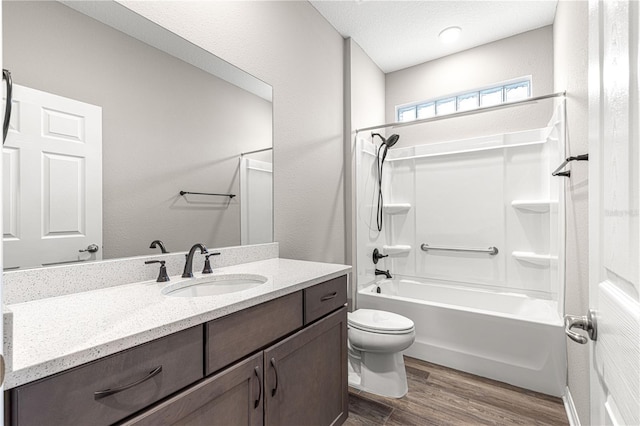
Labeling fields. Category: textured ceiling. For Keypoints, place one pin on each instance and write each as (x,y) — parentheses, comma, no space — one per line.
(400,34)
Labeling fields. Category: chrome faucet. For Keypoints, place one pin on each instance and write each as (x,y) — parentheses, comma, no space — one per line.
(385,273)
(188,266)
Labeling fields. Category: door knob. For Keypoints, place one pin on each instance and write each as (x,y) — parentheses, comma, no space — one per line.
(587,323)
(92,248)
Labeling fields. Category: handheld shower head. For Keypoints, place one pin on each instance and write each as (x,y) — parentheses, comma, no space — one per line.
(391,141)
(380,157)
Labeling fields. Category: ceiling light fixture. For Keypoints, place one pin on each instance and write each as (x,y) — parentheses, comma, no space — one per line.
(450,34)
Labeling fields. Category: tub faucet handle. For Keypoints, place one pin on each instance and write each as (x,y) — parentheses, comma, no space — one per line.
(377,256)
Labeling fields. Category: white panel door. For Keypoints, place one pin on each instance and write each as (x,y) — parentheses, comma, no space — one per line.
(256,201)
(614,196)
(52,180)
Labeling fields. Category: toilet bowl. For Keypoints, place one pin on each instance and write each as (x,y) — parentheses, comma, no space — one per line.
(376,340)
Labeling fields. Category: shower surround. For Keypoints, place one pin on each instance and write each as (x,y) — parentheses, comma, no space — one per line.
(491,191)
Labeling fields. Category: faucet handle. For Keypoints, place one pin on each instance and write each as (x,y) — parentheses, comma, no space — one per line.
(162,275)
(377,256)
(207,265)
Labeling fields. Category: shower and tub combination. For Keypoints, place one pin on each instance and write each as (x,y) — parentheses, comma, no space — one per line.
(473,238)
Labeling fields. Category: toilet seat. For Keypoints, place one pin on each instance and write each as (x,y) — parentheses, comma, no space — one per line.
(380,322)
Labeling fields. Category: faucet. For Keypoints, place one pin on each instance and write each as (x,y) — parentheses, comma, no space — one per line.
(188,266)
(158,243)
(386,273)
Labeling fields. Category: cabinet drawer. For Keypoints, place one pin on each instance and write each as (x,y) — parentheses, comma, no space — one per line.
(231,397)
(323,298)
(239,334)
(156,369)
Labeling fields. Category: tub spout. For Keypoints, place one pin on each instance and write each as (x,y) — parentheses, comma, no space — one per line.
(385,273)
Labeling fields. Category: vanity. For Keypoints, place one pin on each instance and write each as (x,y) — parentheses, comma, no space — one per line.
(274,354)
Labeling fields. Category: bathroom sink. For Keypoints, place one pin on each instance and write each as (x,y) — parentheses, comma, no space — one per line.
(214,285)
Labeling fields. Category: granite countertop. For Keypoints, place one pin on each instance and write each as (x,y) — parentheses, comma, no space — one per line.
(54,334)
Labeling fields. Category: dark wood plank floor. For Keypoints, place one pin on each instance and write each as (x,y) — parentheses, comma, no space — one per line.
(442,396)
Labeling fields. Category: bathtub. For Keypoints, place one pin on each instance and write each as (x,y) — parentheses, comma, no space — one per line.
(508,337)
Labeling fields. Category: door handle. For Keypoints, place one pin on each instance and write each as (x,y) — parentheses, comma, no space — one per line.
(275,370)
(113,391)
(92,248)
(256,370)
(6,75)
(587,323)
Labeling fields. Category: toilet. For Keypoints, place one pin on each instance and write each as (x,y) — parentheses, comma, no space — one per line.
(376,340)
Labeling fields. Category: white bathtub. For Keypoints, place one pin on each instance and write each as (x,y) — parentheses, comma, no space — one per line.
(507,337)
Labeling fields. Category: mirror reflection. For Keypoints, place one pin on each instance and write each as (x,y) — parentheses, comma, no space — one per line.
(107,131)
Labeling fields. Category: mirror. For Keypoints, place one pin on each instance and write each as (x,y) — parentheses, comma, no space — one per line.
(115,116)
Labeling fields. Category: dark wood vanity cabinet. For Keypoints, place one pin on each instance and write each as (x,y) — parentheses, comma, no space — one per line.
(282,362)
(306,375)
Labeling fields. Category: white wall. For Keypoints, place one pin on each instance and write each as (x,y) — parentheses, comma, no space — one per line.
(529,53)
(167,126)
(570,35)
(364,107)
(290,46)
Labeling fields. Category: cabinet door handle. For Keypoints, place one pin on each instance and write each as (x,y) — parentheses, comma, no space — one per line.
(107,392)
(257,401)
(329,296)
(275,369)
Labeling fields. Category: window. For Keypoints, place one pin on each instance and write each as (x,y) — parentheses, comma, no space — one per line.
(505,92)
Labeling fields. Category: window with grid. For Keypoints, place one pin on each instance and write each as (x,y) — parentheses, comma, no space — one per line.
(511,91)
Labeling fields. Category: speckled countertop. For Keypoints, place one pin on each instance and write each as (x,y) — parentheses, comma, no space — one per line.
(54,334)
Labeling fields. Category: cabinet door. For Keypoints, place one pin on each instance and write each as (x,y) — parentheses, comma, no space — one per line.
(306,375)
(231,397)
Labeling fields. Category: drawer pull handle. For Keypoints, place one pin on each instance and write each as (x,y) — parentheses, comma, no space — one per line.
(329,296)
(275,369)
(107,392)
(257,401)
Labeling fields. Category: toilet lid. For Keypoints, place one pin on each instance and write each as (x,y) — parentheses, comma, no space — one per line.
(379,321)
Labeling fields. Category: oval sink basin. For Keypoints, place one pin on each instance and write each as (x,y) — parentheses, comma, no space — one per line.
(214,285)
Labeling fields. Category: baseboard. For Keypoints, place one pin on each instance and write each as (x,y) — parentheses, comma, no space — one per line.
(570,408)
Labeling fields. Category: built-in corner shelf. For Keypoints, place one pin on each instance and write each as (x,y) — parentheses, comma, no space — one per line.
(395,249)
(397,208)
(538,206)
(533,258)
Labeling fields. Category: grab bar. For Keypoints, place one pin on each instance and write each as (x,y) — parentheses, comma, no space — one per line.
(491,250)
(183,193)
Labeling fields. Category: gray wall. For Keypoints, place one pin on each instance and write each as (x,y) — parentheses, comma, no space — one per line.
(364,107)
(529,53)
(570,35)
(290,46)
(167,126)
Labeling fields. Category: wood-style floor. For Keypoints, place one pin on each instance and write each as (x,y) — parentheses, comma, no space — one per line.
(442,396)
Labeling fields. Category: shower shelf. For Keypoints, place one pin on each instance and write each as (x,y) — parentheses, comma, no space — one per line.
(395,249)
(397,208)
(538,206)
(536,259)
